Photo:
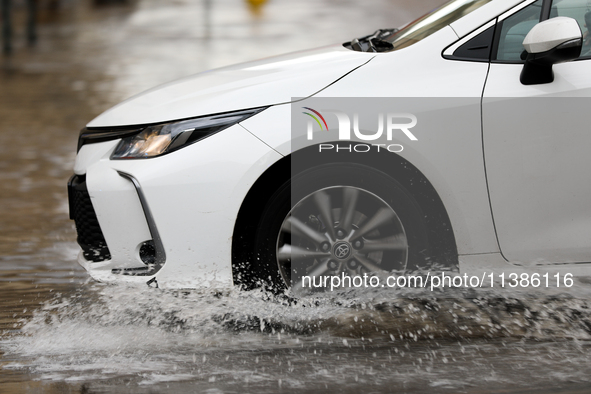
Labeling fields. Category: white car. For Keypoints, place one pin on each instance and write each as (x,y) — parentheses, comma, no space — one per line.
(202,181)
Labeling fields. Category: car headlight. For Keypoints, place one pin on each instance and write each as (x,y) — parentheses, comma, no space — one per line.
(164,138)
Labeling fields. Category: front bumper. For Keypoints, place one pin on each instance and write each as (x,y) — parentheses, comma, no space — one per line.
(191,198)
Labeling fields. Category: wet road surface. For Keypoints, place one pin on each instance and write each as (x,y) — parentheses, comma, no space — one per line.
(62,333)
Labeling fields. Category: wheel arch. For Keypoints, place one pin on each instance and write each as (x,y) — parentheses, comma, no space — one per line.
(440,233)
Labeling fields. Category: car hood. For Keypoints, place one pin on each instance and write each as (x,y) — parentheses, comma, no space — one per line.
(260,83)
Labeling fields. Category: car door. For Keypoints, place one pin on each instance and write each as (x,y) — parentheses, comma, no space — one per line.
(537,140)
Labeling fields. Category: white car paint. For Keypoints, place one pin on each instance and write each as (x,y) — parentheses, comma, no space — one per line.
(207,212)
(213,176)
(249,85)
(540,133)
(548,34)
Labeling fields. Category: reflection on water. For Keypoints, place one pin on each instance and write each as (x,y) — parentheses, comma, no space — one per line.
(63,333)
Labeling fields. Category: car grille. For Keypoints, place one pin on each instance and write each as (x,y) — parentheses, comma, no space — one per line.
(90,236)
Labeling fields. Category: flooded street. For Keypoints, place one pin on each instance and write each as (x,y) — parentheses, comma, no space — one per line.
(114,339)
(61,332)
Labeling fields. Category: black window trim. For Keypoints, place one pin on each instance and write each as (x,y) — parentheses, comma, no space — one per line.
(546,7)
(544,15)
(473,34)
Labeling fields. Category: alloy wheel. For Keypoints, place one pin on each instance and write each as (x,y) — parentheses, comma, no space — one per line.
(340,230)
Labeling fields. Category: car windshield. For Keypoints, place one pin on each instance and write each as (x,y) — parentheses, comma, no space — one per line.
(433,21)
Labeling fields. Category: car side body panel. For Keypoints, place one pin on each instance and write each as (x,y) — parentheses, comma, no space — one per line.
(536,144)
(450,155)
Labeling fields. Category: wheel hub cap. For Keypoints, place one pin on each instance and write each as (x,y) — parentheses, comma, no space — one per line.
(341,250)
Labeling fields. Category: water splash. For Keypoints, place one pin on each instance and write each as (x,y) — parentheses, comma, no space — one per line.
(230,338)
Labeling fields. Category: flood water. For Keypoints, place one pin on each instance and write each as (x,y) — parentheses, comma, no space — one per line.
(63,333)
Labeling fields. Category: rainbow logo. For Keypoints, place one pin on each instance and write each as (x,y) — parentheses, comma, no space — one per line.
(315,118)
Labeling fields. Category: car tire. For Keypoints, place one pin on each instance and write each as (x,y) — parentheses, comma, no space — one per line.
(372,216)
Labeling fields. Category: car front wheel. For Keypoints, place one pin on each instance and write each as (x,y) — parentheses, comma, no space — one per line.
(339,219)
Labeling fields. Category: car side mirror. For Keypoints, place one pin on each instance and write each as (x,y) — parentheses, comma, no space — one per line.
(552,41)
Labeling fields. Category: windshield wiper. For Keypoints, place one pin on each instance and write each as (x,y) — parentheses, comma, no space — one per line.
(372,43)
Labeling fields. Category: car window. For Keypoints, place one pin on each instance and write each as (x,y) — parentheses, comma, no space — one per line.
(433,21)
(580,10)
(513,32)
